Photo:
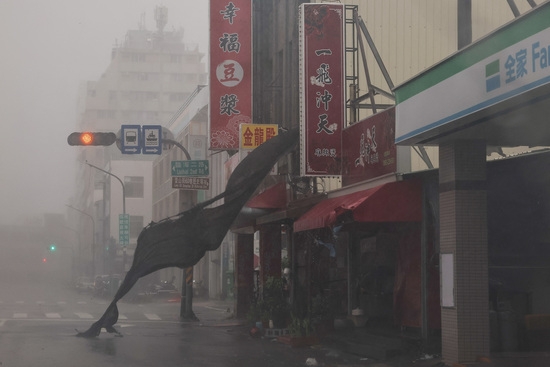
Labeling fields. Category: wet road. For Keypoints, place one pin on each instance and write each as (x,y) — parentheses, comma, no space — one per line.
(37,328)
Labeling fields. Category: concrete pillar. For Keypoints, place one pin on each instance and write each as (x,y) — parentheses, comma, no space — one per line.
(270,251)
(463,239)
(244,273)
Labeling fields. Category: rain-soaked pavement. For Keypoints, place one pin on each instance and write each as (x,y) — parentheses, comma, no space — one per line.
(38,327)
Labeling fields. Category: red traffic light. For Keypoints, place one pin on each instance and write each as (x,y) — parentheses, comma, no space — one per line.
(91,138)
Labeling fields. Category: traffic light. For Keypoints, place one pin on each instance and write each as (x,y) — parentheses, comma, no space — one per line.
(90,138)
(53,247)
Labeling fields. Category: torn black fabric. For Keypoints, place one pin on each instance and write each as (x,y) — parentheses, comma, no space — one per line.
(183,241)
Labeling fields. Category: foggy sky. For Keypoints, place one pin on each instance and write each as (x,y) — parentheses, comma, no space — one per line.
(48,48)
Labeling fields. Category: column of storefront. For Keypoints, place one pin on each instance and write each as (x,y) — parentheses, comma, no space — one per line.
(244,273)
(270,251)
(464,251)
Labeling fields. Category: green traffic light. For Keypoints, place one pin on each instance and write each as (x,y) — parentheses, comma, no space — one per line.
(53,247)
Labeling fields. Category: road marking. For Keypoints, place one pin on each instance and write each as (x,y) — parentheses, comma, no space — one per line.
(19,315)
(53,315)
(122,317)
(61,303)
(84,315)
(152,316)
(19,302)
(82,302)
(39,302)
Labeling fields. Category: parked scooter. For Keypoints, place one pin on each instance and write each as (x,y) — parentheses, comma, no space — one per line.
(165,289)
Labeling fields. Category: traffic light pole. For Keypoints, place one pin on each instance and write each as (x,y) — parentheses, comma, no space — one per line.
(93,236)
(123,207)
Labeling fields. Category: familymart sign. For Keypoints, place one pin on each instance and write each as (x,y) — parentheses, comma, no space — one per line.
(511,61)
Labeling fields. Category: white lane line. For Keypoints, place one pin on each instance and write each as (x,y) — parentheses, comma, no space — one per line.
(152,316)
(19,302)
(82,302)
(122,317)
(61,303)
(39,302)
(53,315)
(20,315)
(83,315)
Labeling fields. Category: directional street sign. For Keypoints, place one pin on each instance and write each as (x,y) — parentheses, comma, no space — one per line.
(130,139)
(191,168)
(151,139)
(124,229)
(191,183)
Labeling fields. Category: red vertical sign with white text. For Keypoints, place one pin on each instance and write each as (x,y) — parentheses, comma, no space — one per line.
(230,71)
(322,94)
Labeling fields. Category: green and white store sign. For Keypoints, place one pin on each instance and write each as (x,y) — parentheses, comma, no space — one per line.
(507,63)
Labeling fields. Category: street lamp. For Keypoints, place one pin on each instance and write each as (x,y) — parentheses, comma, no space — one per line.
(123,206)
(93,235)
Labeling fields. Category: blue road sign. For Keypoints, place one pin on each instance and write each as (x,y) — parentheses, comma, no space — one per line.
(151,139)
(130,139)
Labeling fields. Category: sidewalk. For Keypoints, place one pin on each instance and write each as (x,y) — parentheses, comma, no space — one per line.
(358,347)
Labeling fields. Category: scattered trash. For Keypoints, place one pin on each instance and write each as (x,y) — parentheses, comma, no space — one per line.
(363,359)
(311,362)
(426,357)
(255,332)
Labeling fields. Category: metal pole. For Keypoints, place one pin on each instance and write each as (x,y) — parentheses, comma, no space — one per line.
(93,236)
(186,305)
(123,207)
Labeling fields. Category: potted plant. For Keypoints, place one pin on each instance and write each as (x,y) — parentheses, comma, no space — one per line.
(258,314)
(274,302)
(300,333)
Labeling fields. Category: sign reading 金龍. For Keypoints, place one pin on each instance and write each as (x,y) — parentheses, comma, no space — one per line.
(253,135)
(323,86)
(231,69)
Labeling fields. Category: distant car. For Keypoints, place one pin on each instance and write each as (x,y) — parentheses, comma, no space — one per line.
(84,284)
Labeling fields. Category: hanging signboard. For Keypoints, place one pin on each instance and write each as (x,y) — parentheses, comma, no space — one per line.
(369,148)
(231,71)
(253,135)
(322,99)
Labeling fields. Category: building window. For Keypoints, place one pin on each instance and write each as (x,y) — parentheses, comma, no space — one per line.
(175,59)
(136,225)
(138,57)
(133,186)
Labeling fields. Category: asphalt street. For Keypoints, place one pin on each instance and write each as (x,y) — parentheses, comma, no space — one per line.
(38,324)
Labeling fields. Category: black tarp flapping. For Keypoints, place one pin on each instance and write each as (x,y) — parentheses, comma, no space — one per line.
(183,241)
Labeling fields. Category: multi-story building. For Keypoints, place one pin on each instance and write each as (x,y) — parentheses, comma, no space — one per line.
(151,74)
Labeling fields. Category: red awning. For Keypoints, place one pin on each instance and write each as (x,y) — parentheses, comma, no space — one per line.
(392,202)
(274,197)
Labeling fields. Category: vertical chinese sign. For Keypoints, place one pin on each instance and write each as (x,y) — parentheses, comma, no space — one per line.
(230,71)
(322,88)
